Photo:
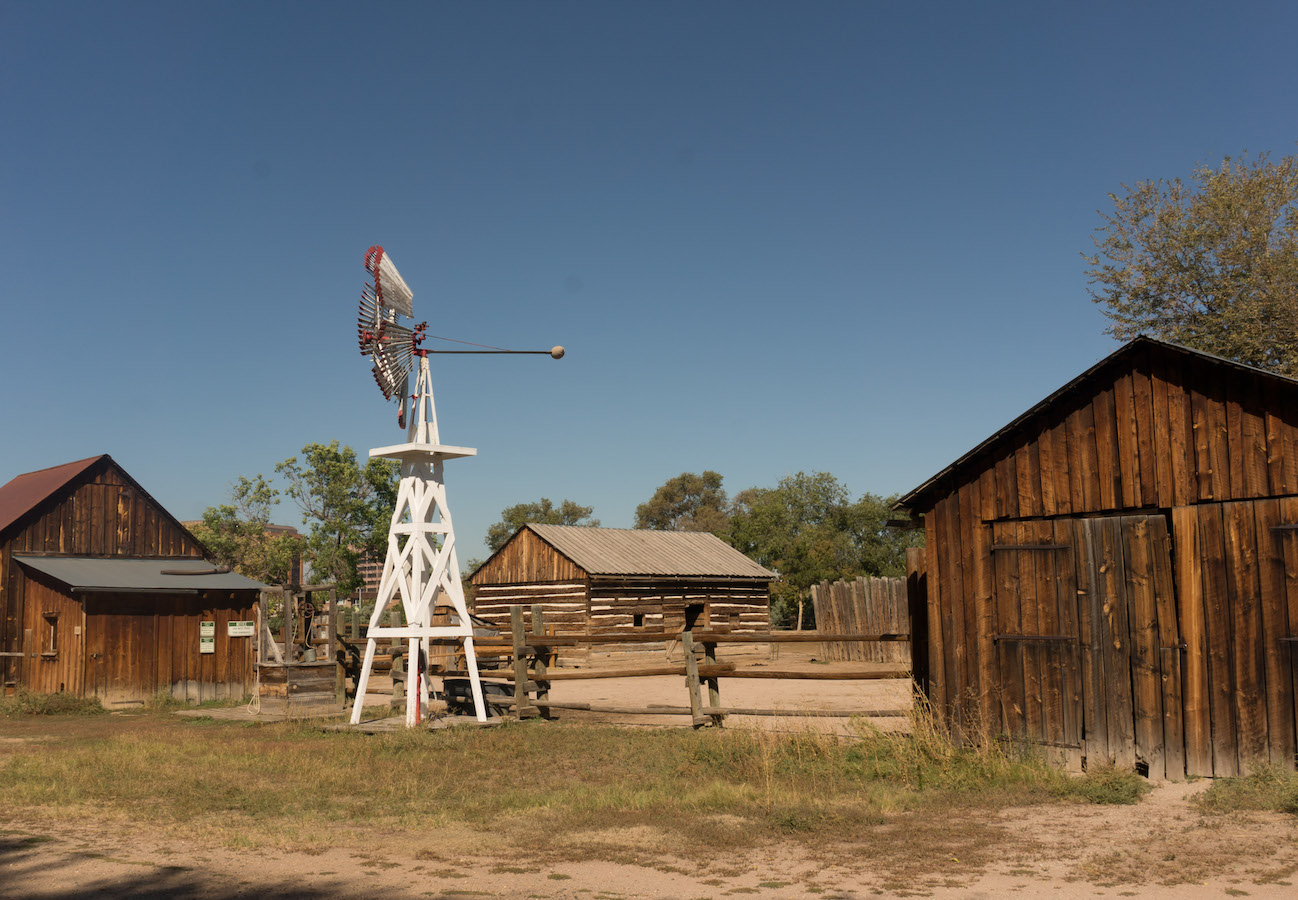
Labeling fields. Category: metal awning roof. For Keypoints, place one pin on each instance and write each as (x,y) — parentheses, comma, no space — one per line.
(164,576)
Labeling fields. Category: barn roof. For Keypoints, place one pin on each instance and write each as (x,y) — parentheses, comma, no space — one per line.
(926,494)
(25,492)
(626,551)
(153,575)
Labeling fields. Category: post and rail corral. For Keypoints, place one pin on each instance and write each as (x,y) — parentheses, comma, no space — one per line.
(532,651)
(1110,576)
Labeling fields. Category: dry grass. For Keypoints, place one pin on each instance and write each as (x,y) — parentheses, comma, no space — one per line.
(551,791)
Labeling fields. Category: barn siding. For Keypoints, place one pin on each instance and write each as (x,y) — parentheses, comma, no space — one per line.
(102,513)
(1197,463)
(528,559)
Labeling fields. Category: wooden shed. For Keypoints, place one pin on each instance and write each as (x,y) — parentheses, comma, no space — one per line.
(606,581)
(104,593)
(1114,574)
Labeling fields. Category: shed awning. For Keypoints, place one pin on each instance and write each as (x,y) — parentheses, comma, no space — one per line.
(164,576)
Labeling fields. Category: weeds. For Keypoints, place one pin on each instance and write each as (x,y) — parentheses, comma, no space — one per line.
(28,703)
(1270,788)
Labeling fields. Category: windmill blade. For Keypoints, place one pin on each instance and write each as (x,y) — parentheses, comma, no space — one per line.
(389,287)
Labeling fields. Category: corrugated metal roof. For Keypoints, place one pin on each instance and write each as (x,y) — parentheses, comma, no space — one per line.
(922,497)
(83,573)
(25,492)
(625,551)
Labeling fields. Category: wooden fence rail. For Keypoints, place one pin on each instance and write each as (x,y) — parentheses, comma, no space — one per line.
(533,653)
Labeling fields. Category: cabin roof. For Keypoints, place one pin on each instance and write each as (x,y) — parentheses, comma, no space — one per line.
(627,551)
(25,492)
(924,496)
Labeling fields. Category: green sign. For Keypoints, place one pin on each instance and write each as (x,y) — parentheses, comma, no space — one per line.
(207,644)
(239,629)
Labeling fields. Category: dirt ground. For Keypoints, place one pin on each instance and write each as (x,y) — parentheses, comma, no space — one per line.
(1161,847)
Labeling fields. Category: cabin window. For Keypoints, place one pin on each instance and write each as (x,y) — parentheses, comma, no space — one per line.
(50,640)
(637,620)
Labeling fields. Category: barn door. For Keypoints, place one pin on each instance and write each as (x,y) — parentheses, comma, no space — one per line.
(1036,636)
(1131,645)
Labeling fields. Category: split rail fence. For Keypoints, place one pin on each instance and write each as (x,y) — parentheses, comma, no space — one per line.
(532,655)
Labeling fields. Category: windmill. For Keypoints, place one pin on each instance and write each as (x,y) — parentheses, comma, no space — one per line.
(421,570)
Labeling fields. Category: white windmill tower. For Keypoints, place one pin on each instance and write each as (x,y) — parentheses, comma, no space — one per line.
(421,569)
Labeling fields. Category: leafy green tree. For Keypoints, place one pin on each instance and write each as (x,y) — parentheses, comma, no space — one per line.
(1212,264)
(347,507)
(239,534)
(808,529)
(688,502)
(542,512)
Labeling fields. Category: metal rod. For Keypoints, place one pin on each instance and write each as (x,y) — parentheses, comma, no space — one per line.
(538,352)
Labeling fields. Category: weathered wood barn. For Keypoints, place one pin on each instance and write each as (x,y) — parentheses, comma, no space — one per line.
(604,581)
(103,593)
(1115,572)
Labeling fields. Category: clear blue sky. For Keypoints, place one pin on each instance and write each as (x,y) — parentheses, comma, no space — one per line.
(774,237)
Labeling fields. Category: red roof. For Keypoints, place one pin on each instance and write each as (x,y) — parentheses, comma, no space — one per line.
(24,493)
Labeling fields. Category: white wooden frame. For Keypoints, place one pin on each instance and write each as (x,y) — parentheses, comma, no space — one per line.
(421,568)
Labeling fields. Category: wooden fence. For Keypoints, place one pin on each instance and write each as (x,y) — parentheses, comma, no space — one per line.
(532,652)
(863,605)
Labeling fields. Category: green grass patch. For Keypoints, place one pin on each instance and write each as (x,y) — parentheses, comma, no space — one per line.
(28,703)
(1270,789)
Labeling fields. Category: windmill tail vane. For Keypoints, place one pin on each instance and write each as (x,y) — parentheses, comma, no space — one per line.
(392,345)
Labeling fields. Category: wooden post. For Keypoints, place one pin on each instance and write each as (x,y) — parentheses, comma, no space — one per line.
(287,629)
(714,682)
(539,672)
(340,672)
(400,678)
(522,707)
(692,680)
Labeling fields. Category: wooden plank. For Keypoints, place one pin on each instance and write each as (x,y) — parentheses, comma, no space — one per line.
(1116,643)
(1048,655)
(1089,472)
(1218,443)
(1201,427)
(1289,689)
(1124,402)
(1008,656)
(1180,445)
(1252,454)
(1234,434)
(1217,639)
(1027,472)
(1058,438)
(1109,472)
(1070,656)
(964,528)
(1143,410)
(1248,657)
(1029,604)
(1007,489)
(1142,626)
(1095,730)
(985,624)
(1274,433)
(1196,715)
(1047,465)
(917,610)
(1161,430)
(1169,649)
(956,640)
(1275,626)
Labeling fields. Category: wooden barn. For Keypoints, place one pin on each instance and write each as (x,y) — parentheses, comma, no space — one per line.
(605,581)
(103,593)
(1114,574)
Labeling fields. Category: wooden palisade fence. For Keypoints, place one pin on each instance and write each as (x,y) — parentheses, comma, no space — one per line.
(863,606)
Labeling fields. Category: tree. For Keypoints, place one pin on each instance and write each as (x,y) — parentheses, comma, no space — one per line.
(1212,265)
(239,534)
(347,507)
(687,502)
(542,512)
(809,530)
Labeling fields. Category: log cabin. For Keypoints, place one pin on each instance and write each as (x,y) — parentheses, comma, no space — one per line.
(103,593)
(608,581)
(1113,576)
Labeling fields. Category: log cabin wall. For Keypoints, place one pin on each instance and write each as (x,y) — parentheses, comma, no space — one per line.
(1130,529)
(144,642)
